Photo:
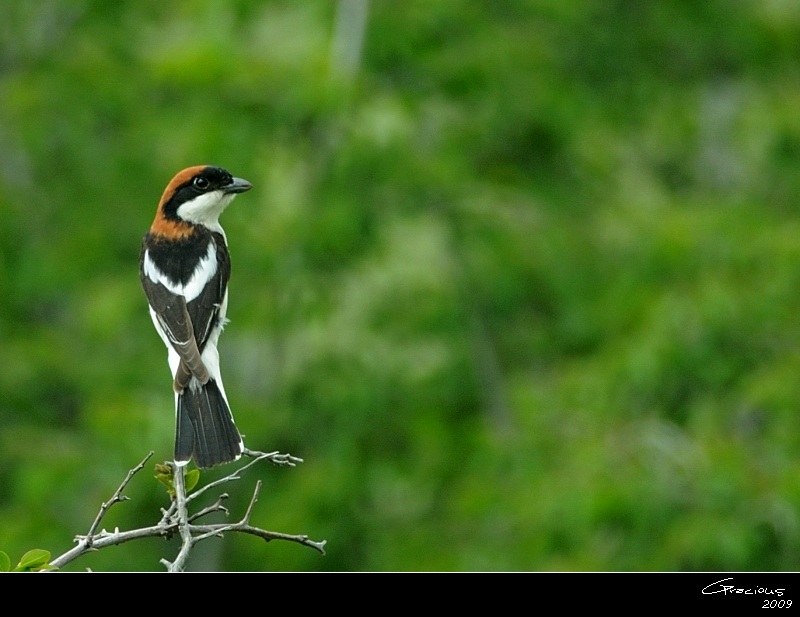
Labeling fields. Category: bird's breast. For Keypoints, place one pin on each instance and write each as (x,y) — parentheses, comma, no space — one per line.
(183,267)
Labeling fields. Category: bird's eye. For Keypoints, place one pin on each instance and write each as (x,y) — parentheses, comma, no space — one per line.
(201,183)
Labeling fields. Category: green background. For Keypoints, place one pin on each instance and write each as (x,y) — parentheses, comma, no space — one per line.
(519,280)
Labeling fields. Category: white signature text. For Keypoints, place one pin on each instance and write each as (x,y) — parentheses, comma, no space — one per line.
(720,587)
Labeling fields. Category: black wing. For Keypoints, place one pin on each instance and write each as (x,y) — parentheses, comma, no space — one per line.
(173,317)
(204,310)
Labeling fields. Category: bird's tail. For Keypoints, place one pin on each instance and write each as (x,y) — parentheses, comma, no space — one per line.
(205,429)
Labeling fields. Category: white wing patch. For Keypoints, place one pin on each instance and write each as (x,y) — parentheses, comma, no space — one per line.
(206,269)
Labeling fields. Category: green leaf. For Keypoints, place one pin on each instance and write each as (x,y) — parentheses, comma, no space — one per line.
(5,562)
(164,475)
(34,560)
(192,478)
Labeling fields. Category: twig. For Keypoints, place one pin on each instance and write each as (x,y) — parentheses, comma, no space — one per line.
(116,497)
(215,507)
(253,500)
(87,543)
(275,457)
(267,536)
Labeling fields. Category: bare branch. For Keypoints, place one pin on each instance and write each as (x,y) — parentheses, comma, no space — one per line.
(275,457)
(87,543)
(253,500)
(116,497)
(268,536)
(176,519)
(215,507)
(214,532)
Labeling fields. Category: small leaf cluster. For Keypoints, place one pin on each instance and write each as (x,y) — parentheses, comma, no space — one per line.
(164,474)
(35,560)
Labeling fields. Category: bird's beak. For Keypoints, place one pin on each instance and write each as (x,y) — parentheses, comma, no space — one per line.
(237,185)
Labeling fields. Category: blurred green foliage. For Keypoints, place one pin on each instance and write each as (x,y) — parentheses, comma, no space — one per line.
(518,280)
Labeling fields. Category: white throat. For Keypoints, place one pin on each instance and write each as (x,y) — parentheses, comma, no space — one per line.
(205,209)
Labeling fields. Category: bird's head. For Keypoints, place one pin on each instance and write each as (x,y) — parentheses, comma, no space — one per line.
(197,196)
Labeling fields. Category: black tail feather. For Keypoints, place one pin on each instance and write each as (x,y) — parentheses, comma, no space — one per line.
(205,430)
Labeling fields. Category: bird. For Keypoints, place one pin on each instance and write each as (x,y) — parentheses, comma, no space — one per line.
(184,267)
